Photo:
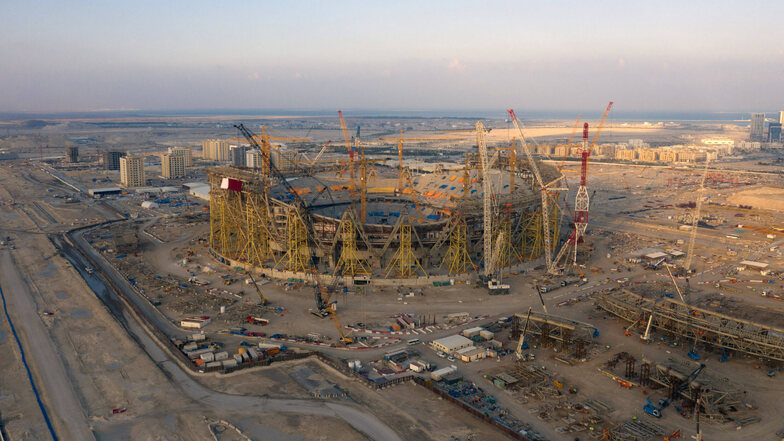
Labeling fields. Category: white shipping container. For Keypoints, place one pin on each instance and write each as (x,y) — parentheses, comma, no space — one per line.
(230,363)
(214,364)
(208,356)
(221,356)
(253,354)
(198,337)
(190,347)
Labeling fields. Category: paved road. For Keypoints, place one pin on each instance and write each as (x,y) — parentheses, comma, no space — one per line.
(60,395)
(360,420)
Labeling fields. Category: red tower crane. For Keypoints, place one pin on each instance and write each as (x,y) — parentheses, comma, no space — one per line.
(582,201)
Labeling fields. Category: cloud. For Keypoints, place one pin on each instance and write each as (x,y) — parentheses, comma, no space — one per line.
(456,66)
(253,76)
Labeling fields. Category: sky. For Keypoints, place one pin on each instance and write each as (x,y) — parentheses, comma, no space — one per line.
(417,55)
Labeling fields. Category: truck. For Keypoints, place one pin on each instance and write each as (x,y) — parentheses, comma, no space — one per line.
(497,287)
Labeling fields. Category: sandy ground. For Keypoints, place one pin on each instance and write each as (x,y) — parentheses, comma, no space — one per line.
(767,198)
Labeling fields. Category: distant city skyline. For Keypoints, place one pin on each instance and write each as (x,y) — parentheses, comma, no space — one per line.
(146,55)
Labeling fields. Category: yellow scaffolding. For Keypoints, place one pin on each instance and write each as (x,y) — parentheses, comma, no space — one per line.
(457,259)
(532,239)
(508,251)
(349,263)
(257,237)
(297,251)
(404,260)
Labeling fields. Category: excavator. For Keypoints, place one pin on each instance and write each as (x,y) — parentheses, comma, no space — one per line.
(324,304)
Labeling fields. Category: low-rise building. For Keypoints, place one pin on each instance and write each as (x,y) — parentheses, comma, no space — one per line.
(452,343)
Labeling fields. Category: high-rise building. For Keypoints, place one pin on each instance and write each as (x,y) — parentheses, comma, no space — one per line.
(72,154)
(781,117)
(132,171)
(215,149)
(111,160)
(184,152)
(172,166)
(253,159)
(238,155)
(757,128)
(774,132)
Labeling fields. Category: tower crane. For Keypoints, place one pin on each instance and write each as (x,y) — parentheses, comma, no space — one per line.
(548,247)
(349,149)
(324,304)
(321,152)
(696,219)
(582,200)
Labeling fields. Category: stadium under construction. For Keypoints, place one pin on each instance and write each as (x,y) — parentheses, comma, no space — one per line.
(404,228)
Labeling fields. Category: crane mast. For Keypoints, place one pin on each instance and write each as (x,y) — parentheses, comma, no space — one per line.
(695,219)
(581,200)
(548,247)
(486,199)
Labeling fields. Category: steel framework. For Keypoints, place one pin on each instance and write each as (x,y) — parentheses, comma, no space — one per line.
(350,263)
(404,262)
(696,324)
(456,258)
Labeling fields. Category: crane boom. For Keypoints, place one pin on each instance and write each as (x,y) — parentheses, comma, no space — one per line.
(695,219)
(601,126)
(548,247)
(349,150)
(263,299)
(323,300)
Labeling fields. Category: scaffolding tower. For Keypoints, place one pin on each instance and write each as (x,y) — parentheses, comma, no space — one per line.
(297,244)
(456,258)
(349,263)
(404,262)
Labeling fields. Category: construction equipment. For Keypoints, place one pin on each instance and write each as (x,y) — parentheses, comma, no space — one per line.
(321,152)
(548,247)
(582,201)
(263,299)
(323,301)
(678,290)
(487,195)
(691,377)
(402,140)
(349,150)
(627,332)
(523,342)
(651,409)
(647,336)
(494,284)
(695,220)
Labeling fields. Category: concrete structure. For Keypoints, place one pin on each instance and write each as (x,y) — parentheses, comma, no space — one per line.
(252,159)
(757,127)
(99,192)
(238,155)
(173,166)
(774,132)
(185,152)
(781,117)
(132,171)
(215,150)
(72,154)
(111,160)
(195,323)
(452,343)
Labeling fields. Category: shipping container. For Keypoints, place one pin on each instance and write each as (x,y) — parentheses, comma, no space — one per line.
(221,356)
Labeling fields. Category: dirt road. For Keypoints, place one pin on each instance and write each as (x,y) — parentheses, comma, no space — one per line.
(44,359)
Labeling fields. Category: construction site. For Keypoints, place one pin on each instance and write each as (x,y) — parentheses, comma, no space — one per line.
(407,229)
(485,289)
